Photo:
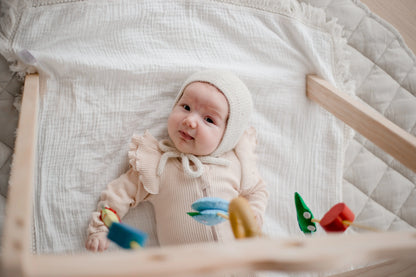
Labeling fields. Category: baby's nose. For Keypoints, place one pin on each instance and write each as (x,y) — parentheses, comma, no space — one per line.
(191,121)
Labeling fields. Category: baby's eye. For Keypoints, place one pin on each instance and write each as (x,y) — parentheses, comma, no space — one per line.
(209,120)
(186,107)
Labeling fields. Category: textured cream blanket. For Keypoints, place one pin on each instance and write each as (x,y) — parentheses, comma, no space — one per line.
(112,68)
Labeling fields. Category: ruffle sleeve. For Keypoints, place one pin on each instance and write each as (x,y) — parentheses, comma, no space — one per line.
(144,156)
(252,186)
(246,153)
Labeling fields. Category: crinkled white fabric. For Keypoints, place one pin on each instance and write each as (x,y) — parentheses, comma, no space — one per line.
(109,69)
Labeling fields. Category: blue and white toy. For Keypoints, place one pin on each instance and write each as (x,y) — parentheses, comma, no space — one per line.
(210,210)
(125,236)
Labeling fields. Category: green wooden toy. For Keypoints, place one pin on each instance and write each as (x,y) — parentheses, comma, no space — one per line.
(304,215)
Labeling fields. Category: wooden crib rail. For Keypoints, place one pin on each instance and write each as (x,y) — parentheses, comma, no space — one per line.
(319,253)
(365,120)
(16,252)
(324,253)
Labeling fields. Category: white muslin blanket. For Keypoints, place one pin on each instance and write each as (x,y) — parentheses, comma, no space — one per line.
(109,69)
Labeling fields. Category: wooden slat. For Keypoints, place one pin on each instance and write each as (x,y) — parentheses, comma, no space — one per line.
(396,268)
(17,229)
(365,120)
(310,254)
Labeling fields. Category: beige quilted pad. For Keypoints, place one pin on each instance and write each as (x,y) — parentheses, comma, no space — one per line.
(379,189)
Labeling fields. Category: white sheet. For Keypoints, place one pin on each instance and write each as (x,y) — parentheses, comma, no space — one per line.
(109,69)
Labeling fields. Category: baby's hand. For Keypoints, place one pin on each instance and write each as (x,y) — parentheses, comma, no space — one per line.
(97,242)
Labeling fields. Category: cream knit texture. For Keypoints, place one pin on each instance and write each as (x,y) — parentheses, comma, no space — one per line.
(172,193)
(187,159)
(239,102)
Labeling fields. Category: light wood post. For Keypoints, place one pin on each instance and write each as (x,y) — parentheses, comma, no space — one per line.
(17,228)
(365,120)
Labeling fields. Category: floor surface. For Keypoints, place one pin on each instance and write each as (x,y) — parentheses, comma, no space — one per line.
(399,13)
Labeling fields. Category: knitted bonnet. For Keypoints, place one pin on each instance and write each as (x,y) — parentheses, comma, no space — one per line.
(239,103)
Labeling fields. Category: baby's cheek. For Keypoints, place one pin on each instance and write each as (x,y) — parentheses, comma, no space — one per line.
(215,140)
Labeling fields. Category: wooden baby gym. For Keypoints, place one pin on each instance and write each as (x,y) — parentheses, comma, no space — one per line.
(332,98)
(388,252)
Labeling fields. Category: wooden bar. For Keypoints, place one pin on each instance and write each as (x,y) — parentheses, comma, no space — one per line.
(396,268)
(17,241)
(307,254)
(365,120)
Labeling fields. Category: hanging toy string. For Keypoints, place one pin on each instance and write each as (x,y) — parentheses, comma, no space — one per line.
(211,211)
(337,219)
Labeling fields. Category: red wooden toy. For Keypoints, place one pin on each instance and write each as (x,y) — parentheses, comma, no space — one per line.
(337,219)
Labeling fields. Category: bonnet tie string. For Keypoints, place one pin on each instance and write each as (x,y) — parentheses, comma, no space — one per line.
(198,161)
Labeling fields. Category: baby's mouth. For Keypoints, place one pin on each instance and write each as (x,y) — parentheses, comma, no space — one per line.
(185,135)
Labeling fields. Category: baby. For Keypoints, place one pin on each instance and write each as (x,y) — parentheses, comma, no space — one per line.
(210,153)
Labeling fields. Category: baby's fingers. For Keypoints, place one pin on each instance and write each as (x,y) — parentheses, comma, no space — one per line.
(103,244)
(92,244)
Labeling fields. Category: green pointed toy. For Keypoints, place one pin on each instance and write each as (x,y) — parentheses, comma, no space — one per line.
(304,215)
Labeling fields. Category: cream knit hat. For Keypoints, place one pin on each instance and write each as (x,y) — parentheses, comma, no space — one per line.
(239,102)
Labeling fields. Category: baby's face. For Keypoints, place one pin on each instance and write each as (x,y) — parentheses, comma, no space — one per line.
(198,121)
